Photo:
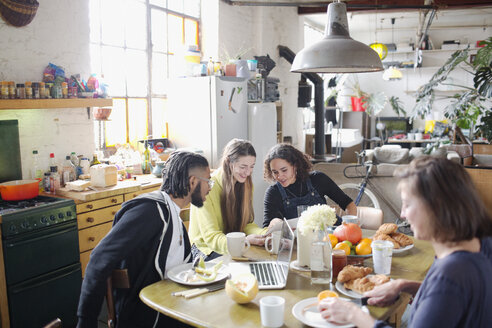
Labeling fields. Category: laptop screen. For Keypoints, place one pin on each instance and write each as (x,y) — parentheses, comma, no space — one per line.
(285,247)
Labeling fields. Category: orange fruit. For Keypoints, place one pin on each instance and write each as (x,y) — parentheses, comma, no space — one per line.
(333,239)
(343,246)
(365,240)
(326,293)
(363,248)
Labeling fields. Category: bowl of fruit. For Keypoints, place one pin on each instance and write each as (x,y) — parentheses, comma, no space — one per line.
(348,237)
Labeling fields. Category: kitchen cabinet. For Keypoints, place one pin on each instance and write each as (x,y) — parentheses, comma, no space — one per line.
(95,217)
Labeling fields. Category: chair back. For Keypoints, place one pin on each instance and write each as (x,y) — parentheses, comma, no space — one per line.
(118,279)
(370,217)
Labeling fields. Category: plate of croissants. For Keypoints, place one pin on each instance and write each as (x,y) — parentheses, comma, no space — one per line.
(353,281)
(388,231)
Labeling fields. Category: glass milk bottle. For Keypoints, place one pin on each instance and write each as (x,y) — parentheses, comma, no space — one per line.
(320,259)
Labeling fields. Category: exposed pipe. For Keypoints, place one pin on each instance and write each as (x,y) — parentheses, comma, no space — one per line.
(319,107)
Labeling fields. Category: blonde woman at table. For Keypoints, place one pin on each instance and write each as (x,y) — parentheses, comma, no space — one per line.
(443,207)
(229,206)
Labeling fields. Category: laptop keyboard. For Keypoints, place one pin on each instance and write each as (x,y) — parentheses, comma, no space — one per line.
(266,273)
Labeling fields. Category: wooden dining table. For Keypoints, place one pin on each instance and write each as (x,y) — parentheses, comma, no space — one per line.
(216,309)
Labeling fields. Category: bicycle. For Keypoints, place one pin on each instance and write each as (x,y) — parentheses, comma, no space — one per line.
(366,193)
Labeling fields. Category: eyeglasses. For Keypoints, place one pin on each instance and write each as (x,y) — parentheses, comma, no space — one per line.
(210,182)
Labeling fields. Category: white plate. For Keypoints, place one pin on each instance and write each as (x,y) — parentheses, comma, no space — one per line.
(179,273)
(402,249)
(347,292)
(311,317)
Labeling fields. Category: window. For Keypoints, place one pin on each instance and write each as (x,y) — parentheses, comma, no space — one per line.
(134,46)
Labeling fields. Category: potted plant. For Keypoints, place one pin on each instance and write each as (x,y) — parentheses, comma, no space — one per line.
(468,107)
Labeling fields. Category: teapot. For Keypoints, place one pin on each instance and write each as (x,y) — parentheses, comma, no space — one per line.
(157,169)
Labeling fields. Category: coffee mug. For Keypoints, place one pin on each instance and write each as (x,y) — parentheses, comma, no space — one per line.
(272,242)
(237,243)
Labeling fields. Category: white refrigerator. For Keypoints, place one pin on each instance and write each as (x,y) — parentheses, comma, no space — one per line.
(205,113)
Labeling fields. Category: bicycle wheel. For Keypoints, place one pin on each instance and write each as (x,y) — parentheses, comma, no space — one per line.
(368,198)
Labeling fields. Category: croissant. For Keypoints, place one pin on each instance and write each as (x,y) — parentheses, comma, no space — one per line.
(402,239)
(381,236)
(351,272)
(361,285)
(387,228)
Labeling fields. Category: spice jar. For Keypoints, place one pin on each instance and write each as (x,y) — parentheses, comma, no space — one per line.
(21,91)
(64,87)
(42,90)
(4,92)
(28,90)
(72,92)
(11,90)
(35,90)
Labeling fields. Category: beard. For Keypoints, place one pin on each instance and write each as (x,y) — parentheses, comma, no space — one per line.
(196,196)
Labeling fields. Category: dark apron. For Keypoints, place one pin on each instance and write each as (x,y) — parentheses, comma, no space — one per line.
(290,204)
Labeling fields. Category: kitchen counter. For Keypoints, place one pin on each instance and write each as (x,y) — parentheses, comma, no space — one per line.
(140,183)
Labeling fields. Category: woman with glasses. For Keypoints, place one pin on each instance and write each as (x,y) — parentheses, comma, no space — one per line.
(297,184)
(229,205)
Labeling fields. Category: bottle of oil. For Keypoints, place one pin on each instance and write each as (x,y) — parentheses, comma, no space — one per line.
(146,159)
(95,161)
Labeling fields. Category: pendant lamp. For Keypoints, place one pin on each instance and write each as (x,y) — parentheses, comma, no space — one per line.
(337,52)
(392,73)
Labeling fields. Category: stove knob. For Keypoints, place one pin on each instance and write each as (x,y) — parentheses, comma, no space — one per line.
(12,228)
(44,220)
(61,215)
(69,213)
(25,224)
(52,218)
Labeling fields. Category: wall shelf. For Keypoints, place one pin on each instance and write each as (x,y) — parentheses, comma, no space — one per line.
(54,103)
(428,51)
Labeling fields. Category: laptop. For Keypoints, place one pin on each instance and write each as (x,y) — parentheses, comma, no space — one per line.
(271,274)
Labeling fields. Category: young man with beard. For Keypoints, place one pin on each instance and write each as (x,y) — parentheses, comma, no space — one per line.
(147,238)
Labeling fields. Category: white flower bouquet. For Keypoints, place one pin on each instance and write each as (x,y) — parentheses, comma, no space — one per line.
(316,217)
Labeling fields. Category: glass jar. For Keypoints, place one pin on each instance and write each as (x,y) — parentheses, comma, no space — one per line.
(4,92)
(28,87)
(339,261)
(35,90)
(320,261)
(11,90)
(64,87)
(21,91)
(42,90)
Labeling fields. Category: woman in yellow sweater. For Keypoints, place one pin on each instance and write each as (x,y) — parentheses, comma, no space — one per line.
(229,205)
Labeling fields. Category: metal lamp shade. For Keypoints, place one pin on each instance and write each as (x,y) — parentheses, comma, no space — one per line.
(337,52)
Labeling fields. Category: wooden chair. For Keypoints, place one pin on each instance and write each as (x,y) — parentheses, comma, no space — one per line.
(118,279)
(370,218)
(184,214)
(57,323)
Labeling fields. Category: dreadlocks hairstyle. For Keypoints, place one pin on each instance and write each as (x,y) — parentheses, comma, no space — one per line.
(175,175)
(236,200)
(291,155)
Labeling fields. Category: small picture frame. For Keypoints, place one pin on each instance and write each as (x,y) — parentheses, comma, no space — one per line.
(472,58)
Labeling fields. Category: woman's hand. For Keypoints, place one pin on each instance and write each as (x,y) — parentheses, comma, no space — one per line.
(275,225)
(385,294)
(257,240)
(336,310)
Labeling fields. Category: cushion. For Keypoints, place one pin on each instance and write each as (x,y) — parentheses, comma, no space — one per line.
(391,155)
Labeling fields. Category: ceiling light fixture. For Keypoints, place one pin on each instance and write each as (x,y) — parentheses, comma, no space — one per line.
(337,52)
(392,73)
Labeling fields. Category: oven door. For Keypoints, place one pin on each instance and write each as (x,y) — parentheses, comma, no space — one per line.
(37,301)
(32,254)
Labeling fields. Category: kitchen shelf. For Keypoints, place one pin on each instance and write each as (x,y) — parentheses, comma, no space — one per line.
(54,103)
(428,51)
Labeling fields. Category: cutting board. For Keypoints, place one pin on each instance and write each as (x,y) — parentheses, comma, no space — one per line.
(122,187)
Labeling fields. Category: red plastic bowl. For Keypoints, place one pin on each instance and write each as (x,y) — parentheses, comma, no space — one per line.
(19,189)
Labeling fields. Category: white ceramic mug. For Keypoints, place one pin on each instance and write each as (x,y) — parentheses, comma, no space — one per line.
(418,136)
(237,243)
(272,242)
(272,311)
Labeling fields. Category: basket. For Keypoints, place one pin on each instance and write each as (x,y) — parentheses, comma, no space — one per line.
(18,13)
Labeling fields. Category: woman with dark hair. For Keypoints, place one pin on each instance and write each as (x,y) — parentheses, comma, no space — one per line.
(297,184)
(229,206)
(443,207)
